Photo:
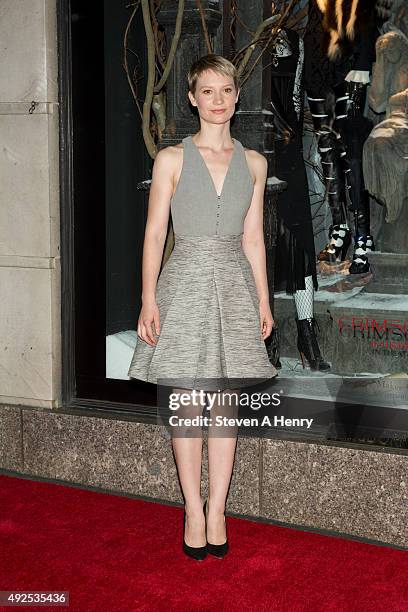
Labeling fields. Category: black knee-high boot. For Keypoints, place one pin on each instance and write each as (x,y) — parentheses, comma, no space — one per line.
(355,130)
(308,345)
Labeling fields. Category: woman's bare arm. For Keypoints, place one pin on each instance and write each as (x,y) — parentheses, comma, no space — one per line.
(161,190)
(253,242)
(253,239)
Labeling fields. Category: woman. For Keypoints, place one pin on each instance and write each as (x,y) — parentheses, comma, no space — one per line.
(203,324)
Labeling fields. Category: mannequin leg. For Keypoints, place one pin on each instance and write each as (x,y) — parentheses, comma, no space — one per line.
(308,345)
(187,447)
(357,128)
(332,156)
(304,300)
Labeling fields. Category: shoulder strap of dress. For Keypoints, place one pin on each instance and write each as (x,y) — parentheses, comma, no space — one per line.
(240,148)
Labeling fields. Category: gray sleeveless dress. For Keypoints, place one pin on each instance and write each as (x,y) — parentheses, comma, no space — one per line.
(210,334)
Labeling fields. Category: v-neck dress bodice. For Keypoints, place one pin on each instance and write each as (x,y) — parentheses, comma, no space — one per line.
(197,209)
(210,335)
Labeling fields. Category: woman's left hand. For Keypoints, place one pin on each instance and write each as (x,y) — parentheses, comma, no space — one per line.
(266,318)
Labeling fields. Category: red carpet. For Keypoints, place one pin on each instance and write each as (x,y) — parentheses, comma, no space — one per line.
(114,553)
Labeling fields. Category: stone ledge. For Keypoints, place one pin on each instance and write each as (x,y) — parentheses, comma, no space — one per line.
(28,261)
(388,273)
(351,491)
(27,108)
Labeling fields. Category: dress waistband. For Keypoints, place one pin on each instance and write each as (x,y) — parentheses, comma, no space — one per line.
(213,239)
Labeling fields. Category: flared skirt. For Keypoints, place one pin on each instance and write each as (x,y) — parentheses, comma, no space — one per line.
(210,336)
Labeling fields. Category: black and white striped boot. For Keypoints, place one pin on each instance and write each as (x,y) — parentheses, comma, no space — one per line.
(362,246)
(336,249)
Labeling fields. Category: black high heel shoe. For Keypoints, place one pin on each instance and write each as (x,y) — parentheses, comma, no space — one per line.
(308,346)
(216,550)
(198,553)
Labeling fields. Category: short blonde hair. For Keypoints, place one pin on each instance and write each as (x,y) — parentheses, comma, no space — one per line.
(214,62)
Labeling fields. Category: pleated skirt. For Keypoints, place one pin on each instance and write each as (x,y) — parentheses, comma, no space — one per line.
(210,335)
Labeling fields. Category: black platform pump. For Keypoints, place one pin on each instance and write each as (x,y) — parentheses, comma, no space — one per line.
(217,550)
(198,553)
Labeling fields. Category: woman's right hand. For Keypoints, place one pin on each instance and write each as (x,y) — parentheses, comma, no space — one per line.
(149,323)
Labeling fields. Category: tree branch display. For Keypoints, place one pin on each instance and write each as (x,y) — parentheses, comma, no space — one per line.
(152,108)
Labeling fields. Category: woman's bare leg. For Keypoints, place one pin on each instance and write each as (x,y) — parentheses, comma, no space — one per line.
(187,448)
(221,452)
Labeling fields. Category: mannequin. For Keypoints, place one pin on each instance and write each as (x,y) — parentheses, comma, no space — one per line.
(390,74)
(385,158)
(339,53)
(296,252)
(386,161)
